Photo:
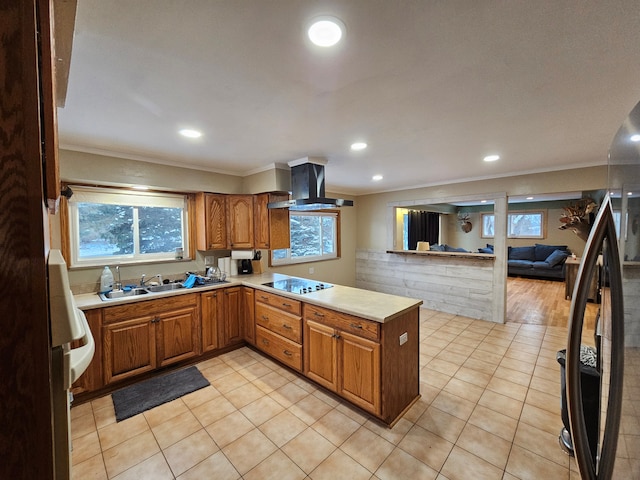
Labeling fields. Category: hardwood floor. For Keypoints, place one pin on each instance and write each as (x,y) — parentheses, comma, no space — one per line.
(542,302)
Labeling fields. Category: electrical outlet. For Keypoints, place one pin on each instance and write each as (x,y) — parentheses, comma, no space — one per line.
(311,270)
(404,338)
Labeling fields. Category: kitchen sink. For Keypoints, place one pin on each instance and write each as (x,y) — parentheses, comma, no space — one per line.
(165,288)
(168,287)
(122,293)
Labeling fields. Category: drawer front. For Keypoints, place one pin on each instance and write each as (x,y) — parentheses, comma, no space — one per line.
(286,351)
(277,301)
(342,321)
(149,307)
(286,324)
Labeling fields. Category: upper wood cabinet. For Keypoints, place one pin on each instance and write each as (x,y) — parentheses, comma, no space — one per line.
(271,226)
(211,221)
(240,211)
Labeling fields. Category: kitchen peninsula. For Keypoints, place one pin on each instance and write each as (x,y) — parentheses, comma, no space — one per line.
(359,344)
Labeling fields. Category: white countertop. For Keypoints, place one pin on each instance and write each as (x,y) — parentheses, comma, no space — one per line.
(376,306)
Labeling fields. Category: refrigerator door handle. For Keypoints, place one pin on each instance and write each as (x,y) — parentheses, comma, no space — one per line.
(603,233)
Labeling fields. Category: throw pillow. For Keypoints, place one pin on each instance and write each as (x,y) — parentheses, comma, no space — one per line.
(436,248)
(485,250)
(556,258)
(543,251)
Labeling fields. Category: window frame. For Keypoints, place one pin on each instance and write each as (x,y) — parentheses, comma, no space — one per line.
(335,213)
(69,226)
(543,224)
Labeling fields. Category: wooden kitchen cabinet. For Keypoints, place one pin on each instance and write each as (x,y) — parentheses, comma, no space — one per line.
(279,328)
(240,215)
(271,227)
(211,221)
(221,318)
(230,329)
(140,337)
(212,308)
(373,365)
(345,363)
(247,312)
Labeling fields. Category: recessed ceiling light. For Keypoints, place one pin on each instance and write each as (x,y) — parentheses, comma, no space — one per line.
(635,138)
(358,146)
(491,158)
(377,178)
(325,31)
(190,133)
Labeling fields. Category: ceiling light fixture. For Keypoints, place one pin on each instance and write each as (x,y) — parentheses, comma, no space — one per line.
(491,158)
(529,198)
(483,201)
(358,146)
(377,178)
(140,187)
(190,133)
(325,31)
(635,138)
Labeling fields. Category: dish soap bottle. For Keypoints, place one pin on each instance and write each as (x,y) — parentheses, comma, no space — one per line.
(106,280)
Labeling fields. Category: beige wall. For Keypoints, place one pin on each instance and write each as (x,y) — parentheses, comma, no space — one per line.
(375,218)
(102,170)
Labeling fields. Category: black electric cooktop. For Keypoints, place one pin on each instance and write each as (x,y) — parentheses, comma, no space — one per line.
(298,285)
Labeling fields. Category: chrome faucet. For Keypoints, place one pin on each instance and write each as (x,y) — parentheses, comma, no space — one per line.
(119,282)
(143,281)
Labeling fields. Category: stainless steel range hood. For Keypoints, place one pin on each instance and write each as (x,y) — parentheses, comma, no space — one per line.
(307,187)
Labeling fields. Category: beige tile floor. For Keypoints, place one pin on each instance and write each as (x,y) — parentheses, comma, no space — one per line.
(489,410)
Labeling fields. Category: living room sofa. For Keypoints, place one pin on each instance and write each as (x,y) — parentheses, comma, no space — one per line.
(544,261)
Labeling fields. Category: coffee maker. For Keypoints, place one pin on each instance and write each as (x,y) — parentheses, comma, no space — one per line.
(245,267)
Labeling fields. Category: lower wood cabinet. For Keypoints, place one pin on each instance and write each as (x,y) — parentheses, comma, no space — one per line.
(344,363)
(375,366)
(221,318)
(279,328)
(231,331)
(212,310)
(247,314)
(140,337)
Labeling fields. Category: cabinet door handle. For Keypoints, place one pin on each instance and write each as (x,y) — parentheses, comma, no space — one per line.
(356,325)
(265,341)
(287,353)
(287,305)
(263,297)
(265,318)
(288,327)
(335,335)
(155,320)
(318,314)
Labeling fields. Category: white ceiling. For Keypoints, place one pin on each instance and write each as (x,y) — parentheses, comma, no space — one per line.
(431,86)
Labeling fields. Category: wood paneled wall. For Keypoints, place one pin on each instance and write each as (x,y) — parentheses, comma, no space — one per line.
(461,286)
